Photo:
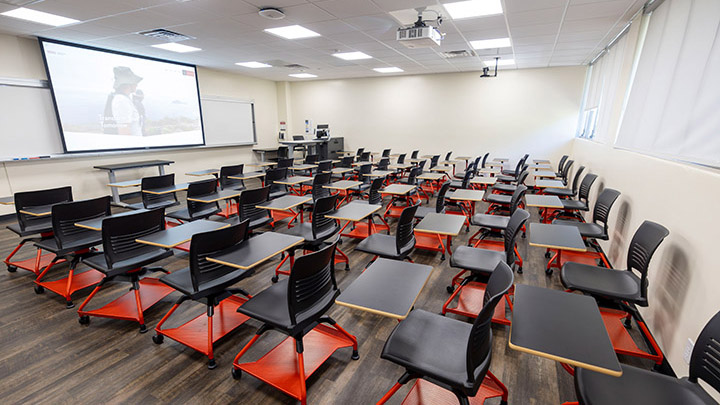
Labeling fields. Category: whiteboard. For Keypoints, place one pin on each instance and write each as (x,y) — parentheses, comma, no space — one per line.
(228,121)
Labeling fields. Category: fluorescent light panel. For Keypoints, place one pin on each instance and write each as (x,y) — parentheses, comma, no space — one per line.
(352,55)
(39,17)
(491,43)
(388,70)
(292,32)
(175,47)
(302,75)
(501,62)
(473,8)
(253,65)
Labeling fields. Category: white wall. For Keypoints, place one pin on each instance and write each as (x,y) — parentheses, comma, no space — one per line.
(521,111)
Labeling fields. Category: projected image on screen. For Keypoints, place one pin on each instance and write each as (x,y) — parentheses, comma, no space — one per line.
(111,101)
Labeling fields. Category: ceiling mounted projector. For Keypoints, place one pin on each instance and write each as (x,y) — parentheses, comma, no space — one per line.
(421,35)
(272,13)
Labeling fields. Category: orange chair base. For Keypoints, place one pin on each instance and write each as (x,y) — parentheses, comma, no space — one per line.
(228,211)
(424,392)
(194,333)
(469,303)
(79,281)
(394,212)
(29,264)
(125,307)
(361,230)
(563,256)
(621,339)
(279,367)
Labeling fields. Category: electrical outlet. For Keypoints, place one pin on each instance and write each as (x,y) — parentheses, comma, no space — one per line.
(687,353)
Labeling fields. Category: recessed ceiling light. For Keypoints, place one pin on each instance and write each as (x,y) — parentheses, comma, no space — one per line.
(491,43)
(39,17)
(473,8)
(352,55)
(292,32)
(501,62)
(175,47)
(253,65)
(388,70)
(302,75)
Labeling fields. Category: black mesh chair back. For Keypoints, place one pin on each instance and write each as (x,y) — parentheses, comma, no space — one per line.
(283,152)
(197,209)
(249,200)
(322,226)
(386,153)
(566,170)
(603,205)
(434,161)
(273,175)
(518,167)
(383,163)
(585,186)
(447,156)
(363,173)
(319,181)
(484,160)
(312,286)
(642,247)
(346,162)
(477,163)
(414,154)
(576,179)
(517,197)
(479,348)
(365,157)
(705,361)
(285,162)
(421,165)
(469,174)
(522,177)
(561,163)
(65,215)
(517,220)
(151,201)
(525,158)
(312,159)
(401,159)
(205,244)
(25,199)
(119,234)
(440,202)
(412,176)
(374,196)
(324,166)
(226,183)
(404,235)
(360,152)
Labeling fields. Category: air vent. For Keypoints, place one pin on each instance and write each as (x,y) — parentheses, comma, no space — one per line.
(165,35)
(296,66)
(457,54)
(20,3)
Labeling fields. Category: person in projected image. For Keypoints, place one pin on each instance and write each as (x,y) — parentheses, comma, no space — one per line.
(124,111)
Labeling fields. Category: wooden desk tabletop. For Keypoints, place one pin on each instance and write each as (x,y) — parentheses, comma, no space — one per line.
(466,195)
(341,170)
(562,326)
(447,162)
(544,173)
(483,180)
(494,164)
(7,200)
(431,176)
(170,189)
(387,288)
(294,180)
(343,184)
(38,211)
(441,169)
(553,236)
(465,158)
(500,159)
(303,166)
(285,202)
(543,201)
(549,184)
(262,164)
(127,183)
(356,164)
(96,224)
(490,170)
(217,196)
(247,176)
(427,156)
(401,166)
(354,211)
(441,224)
(416,160)
(540,166)
(379,173)
(171,237)
(251,252)
(397,189)
(206,172)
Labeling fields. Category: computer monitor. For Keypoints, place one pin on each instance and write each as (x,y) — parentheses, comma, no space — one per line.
(322,131)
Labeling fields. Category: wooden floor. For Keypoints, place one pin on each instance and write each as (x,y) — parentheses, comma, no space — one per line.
(46,356)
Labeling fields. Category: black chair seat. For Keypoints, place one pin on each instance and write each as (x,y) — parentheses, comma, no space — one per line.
(505,178)
(238,187)
(181,281)
(459,175)
(456,184)
(560,192)
(600,281)
(383,246)
(275,194)
(574,205)
(72,244)
(490,221)
(184,214)
(98,262)
(304,230)
(431,345)
(475,259)
(270,306)
(162,204)
(510,188)
(41,226)
(423,211)
(637,386)
(587,229)
(503,199)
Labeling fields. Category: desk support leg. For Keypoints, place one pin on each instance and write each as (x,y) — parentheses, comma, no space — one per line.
(114,190)
(161,170)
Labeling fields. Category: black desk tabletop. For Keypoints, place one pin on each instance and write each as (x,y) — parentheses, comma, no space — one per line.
(354,211)
(256,250)
(441,224)
(134,165)
(169,189)
(343,184)
(171,237)
(562,326)
(549,184)
(543,201)
(7,200)
(248,175)
(96,224)
(38,211)
(285,202)
(553,236)
(341,170)
(466,195)
(388,288)
(217,196)
(303,166)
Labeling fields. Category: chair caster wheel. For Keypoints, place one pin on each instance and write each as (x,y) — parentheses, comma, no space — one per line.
(547,255)
(355,355)
(450,289)
(69,305)
(236,373)
(84,320)
(347,267)
(520,270)
(212,365)
(11,269)
(158,339)
(39,289)
(143,328)
(275,279)
(549,272)
(523,235)
(442,257)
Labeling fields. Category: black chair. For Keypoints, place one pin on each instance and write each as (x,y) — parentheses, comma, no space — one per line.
(283,152)
(360,229)
(484,160)
(465,183)
(271,177)
(474,164)
(510,187)
(386,153)
(248,211)
(497,222)
(364,157)
(324,166)
(622,288)
(401,158)
(124,259)
(572,208)
(296,307)
(638,386)
(398,247)
(152,201)
(285,162)
(567,192)
(434,161)
(414,154)
(449,354)
(195,209)
(345,163)
(363,172)
(318,189)
(32,228)
(359,153)
(561,164)
(226,183)
(208,282)
(383,163)
(501,202)
(440,203)
(73,244)
(565,171)
(509,176)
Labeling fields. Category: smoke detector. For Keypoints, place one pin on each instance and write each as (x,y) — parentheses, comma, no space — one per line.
(271,13)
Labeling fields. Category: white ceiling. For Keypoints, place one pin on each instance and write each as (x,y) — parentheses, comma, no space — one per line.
(543,32)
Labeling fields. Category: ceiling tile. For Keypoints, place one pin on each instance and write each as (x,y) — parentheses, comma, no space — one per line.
(349,8)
